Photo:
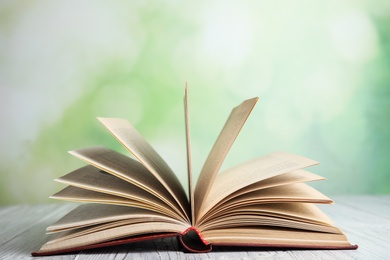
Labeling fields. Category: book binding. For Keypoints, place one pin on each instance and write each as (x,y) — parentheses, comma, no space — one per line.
(192,241)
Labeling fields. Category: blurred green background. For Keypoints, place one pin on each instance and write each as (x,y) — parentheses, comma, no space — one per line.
(320,68)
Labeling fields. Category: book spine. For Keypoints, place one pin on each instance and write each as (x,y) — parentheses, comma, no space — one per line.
(193,241)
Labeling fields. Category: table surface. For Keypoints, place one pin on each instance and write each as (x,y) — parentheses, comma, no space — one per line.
(364,219)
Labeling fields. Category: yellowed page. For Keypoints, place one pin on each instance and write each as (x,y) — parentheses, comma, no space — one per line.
(291,193)
(128,136)
(189,157)
(73,233)
(250,220)
(286,193)
(299,212)
(92,214)
(128,169)
(75,194)
(274,237)
(282,179)
(249,173)
(278,180)
(111,234)
(296,192)
(218,153)
(91,178)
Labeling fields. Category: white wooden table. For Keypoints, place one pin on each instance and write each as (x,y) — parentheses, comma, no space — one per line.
(364,219)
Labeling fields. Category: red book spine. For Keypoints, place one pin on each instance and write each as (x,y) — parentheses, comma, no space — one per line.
(193,241)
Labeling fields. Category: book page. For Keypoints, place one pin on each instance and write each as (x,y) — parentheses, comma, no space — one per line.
(294,211)
(127,135)
(278,237)
(295,192)
(278,180)
(110,234)
(189,157)
(251,172)
(250,219)
(92,214)
(218,153)
(76,194)
(91,178)
(127,169)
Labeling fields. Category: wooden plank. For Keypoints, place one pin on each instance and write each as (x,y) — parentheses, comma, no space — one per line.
(360,219)
(24,228)
(380,206)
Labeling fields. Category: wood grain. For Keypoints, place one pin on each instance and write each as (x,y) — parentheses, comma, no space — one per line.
(364,219)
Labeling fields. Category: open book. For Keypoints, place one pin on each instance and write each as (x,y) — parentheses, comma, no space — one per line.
(263,202)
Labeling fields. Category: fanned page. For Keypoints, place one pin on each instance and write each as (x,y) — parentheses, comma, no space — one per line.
(129,170)
(93,179)
(272,214)
(251,172)
(276,237)
(229,204)
(104,214)
(108,223)
(218,153)
(144,152)
(298,176)
(189,157)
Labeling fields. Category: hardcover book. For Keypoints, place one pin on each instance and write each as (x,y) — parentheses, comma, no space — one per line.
(264,202)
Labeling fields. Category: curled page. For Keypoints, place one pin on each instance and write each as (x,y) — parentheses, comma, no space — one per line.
(189,156)
(251,172)
(129,137)
(218,153)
